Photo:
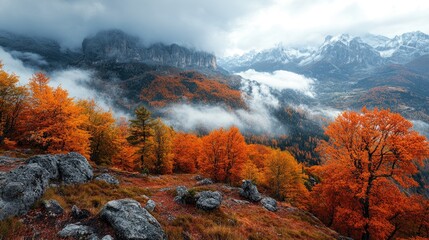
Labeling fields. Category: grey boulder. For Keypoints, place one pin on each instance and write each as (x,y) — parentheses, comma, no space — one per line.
(21,188)
(107,237)
(150,205)
(77,231)
(74,168)
(208,200)
(205,181)
(78,213)
(131,221)
(53,207)
(107,178)
(48,162)
(269,203)
(250,191)
(181,194)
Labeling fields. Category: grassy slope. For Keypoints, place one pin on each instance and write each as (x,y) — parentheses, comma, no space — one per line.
(232,221)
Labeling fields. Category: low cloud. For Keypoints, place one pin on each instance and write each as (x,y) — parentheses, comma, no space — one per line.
(33,59)
(257,118)
(75,81)
(281,80)
(15,66)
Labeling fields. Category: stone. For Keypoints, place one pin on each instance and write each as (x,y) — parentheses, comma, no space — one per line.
(77,231)
(208,200)
(198,178)
(21,188)
(107,178)
(107,237)
(79,214)
(250,191)
(241,202)
(53,207)
(150,205)
(48,162)
(181,194)
(205,181)
(131,221)
(269,203)
(74,168)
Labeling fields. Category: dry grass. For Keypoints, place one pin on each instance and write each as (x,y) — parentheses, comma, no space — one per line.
(93,195)
(233,221)
(9,228)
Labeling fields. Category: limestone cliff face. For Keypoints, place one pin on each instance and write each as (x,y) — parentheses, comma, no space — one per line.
(117,46)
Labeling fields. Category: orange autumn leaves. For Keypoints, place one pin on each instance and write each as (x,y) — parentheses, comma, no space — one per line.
(369,160)
(51,120)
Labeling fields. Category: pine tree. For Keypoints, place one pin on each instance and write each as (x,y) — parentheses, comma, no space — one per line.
(141,133)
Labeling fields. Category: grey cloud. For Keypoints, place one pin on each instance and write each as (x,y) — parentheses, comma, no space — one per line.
(200,24)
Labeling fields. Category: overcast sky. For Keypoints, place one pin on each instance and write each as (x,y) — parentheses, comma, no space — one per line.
(220,26)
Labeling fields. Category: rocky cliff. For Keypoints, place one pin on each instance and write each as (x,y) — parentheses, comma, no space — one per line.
(115,45)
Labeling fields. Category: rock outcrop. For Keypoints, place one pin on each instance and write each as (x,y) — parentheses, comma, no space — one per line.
(208,200)
(74,168)
(182,195)
(269,203)
(53,207)
(131,221)
(23,186)
(205,181)
(79,214)
(77,231)
(250,191)
(48,162)
(117,46)
(107,178)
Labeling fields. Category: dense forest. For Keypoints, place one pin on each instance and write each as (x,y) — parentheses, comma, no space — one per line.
(354,183)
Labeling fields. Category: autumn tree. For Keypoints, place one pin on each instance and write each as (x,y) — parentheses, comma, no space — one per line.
(160,159)
(12,99)
(126,157)
(369,155)
(186,152)
(51,120)
(258,154)
(250,171)
(284,178)
(104,134)
(223,155)
(141,133)
(235,154)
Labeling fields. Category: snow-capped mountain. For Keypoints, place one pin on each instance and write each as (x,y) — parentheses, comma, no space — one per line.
(336,53)
(344,50)
(405,47)
(273,58)
(374,40)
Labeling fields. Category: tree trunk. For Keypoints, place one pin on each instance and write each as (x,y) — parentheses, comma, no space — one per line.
(366,207)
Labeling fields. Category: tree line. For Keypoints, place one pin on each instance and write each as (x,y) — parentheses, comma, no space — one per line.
(47,119)
(360,188)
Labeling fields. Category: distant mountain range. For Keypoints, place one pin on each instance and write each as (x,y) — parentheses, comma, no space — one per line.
(105,46)
(338,54)
(352,72)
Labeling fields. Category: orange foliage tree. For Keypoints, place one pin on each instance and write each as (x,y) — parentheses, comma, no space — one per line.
(186,151)
(284,178)
(104,133)
(12,100)
(160,160)
(369,155)
(126,157)
(52,121)
(223,155)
